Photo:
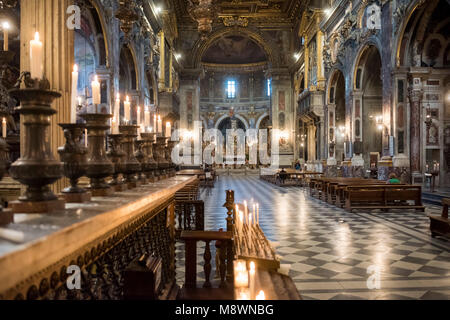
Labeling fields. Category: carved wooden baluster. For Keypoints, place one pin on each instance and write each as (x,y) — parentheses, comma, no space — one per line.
(207,266)
(191,264)
(223,266)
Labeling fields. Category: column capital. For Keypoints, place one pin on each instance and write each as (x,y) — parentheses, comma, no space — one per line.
(415,94)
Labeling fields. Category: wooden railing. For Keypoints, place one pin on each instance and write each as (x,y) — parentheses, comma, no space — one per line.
(190,216)
(191,238)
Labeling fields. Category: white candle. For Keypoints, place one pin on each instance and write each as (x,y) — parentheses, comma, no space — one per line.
(127,107)
(36,58)
(168,130)
(4,128)
(147,117)
(85,138)
(73,108)
(160,130)
(138,122)
(96,95)
(245,211)
(6,27)
(117,112)
(254,214)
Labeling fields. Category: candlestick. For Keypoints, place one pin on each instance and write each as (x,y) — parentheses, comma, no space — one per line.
(74,94)
(36,57)
(4,127)
(127,107)
(96,95)
(168,130)
(6,28)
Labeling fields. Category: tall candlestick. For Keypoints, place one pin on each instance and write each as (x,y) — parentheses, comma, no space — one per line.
(168,130)
(6,27)
(74,95)
(127,107)
(147,117)
(96,95)
(36,58)
(4,127)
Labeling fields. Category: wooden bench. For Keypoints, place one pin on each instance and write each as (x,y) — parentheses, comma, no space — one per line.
(336,190)
(383,197)
(440,225)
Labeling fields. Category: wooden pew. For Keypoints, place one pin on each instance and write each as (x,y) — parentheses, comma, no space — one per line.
(383,197)
(440,225)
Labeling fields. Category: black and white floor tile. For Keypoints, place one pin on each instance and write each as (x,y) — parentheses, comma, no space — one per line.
(333,254)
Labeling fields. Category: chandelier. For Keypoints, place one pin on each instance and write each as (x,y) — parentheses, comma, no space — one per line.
(204,13)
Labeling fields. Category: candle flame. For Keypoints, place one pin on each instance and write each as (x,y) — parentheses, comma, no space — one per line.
(261,296)
(252,266)
(159,118)
(75,68)
(118,96)
(36,36)
(6,25)
(128,99)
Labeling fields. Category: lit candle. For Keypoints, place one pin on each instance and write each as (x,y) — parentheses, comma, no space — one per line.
(127,107)
(138,121)
(4,128)
(80,100)
(257,213)
(254,214)
(85,138)
(261,296)
(113,125)
(154,124)
(147,117)
(245,211)
(236,211)
(73,109)
(168,130)
(36,58)
(96,95)
(160,130)
(243,295)
(6,27)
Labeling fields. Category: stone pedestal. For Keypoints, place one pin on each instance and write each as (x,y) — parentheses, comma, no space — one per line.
(347,168)
(401,168)
(358,167)
(385,168)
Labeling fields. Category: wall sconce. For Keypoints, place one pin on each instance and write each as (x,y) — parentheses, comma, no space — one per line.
(380,123)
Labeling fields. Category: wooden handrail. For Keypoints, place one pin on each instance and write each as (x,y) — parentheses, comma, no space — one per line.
(206,235)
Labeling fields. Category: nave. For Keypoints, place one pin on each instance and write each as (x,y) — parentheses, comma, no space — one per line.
(328,251)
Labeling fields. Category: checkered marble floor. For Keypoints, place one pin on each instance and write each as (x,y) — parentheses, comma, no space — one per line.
(333,254)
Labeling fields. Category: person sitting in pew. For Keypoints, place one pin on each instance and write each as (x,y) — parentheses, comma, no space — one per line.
(393,179)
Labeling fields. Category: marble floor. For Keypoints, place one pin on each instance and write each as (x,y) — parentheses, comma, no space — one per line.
(333,254)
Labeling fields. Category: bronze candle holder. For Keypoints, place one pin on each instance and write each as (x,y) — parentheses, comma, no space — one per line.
(37,168)
(131,165)
(141,156)
(117,157)
(99,166)
(74,156)
(6,215)
(152,165)
(163,164)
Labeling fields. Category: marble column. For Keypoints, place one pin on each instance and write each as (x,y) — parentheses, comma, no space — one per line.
(48,17)
(162,62)
(415,98)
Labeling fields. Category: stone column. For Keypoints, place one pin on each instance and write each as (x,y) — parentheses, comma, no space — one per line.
(48,17)
(357,136)
(415,98)
(331,138)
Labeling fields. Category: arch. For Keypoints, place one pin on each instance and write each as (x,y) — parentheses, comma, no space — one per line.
(225,116)
(101,16)
(332,81)
(202,46)
(362,59)
(260,119)
(127,69)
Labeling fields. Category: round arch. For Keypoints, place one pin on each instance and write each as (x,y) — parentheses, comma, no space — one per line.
(202,46)
(332,81)
(361,58)
(101,16)
(260,119)
(225,116)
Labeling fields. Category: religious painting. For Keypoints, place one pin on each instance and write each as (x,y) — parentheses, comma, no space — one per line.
(189,100)
(433,135)
(281,101)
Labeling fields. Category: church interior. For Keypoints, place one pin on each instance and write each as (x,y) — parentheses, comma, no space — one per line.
(225,150)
